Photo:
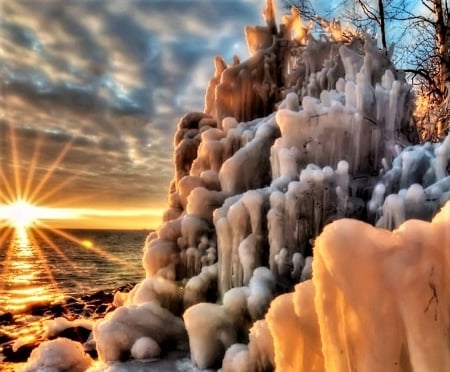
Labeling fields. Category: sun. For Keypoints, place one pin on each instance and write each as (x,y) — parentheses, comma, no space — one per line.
(28,235)
(23,214)
(20,214)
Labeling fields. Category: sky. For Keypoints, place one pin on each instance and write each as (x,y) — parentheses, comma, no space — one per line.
(90,94)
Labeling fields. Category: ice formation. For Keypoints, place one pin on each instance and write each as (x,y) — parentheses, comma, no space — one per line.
(311,128)
(60,354)
(120,335)
(378,301)
(55,326)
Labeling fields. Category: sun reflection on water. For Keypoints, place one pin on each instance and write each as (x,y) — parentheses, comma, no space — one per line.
(25,276)
(36,272)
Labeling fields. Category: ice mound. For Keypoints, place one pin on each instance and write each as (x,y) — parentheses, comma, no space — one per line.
(138,331)
(417,185)
(310,129)
(378,301)
(57,355)
(55,326)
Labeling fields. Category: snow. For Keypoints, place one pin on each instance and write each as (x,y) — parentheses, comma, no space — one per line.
(236,359)
(55,326)
(211,331)
(417,182)
(197,287)
(145,348)
(56,355)
(118,331)
(377,301)
(158,290)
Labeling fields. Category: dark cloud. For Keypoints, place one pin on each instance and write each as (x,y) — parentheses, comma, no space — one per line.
(107,80)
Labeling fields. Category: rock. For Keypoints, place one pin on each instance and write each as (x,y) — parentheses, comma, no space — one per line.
(21,354)
(90,346)
(55,310)
(79,334)
(125,288)
(76,308)
(4,338)
(39,309)
(95,306)
(99,295)
(6,319)
(102,309)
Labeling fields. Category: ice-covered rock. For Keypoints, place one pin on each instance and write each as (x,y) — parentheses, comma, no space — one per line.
(58,355)
(308,130)
(378,301)
(116,335)
(417,185)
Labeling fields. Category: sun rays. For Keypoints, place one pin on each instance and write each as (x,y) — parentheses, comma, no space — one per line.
(18,214)
(26,224)
(21,214)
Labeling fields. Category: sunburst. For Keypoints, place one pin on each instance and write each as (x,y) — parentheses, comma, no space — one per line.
(25,221)
(21,214)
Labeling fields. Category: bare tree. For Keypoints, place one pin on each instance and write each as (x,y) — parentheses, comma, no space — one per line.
(426,59)
(440,11)
(421,33)
(374,16)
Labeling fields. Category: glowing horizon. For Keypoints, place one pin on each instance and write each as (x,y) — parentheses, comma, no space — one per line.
(26,199)
(25,259)
(38,216)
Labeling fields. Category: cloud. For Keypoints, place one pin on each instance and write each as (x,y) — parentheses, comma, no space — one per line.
(109,79)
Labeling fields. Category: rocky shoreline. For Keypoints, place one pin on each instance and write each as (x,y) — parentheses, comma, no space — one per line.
(21,333)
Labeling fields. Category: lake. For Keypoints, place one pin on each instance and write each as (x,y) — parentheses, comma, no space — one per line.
(46,266)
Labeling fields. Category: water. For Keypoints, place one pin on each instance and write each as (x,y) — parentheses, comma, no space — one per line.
(39,266)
